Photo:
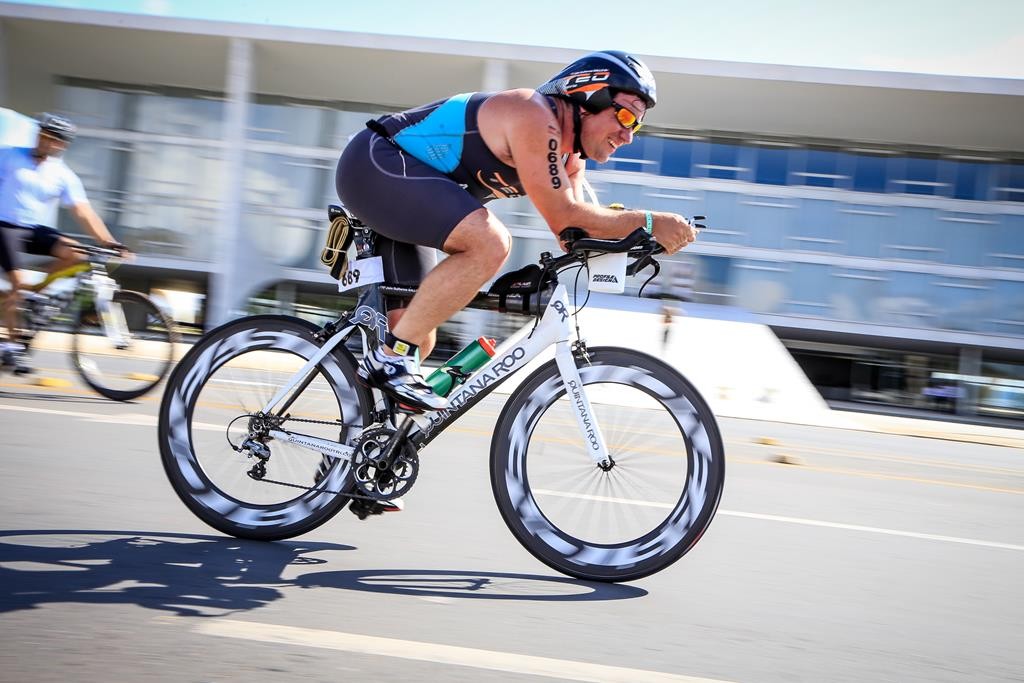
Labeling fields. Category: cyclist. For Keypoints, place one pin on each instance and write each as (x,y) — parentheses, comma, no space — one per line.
(421,178)
(32,179)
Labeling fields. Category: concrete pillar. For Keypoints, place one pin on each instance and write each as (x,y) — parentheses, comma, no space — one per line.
(232,253)
(495,75)
(970,366)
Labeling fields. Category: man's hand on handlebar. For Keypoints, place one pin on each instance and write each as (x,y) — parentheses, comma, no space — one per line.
(122,251)
(672,231)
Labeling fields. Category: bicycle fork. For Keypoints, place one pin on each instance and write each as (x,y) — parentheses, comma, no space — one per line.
(111,315)
(581,408)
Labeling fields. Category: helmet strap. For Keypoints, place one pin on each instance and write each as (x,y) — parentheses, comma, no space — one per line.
(577,144)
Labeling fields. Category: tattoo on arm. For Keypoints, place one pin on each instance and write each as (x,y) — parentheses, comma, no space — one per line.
(553,169)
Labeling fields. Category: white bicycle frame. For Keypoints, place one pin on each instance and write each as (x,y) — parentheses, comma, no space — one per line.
(111,315)
(512,356)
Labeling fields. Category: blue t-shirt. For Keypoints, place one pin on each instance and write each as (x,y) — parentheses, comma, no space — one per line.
(29,192)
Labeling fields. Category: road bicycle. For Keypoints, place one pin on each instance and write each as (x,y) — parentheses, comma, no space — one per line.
(606,463)
(122,343)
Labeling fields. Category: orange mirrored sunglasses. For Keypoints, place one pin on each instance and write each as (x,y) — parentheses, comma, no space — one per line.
(626,118)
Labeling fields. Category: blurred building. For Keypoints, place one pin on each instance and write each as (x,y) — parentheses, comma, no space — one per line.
(874,220)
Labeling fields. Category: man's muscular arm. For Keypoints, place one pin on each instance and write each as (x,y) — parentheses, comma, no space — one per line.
(534,138)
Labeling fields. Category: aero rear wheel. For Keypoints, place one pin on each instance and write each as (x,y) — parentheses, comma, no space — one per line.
(127,355)
(227,377)
(634,516)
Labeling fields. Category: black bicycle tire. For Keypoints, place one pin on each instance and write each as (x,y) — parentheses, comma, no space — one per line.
(126,394)
(518,408)
(171,448)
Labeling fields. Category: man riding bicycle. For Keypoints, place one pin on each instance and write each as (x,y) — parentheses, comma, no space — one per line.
(421,178)
(31,180)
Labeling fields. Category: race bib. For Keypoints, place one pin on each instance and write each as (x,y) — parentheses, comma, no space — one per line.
(362,272)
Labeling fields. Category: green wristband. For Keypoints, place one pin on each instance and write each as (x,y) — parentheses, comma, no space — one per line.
(650,222)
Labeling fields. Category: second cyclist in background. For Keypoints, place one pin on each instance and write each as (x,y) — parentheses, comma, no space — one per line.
(32,181)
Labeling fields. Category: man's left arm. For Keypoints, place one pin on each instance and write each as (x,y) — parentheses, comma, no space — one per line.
(90,220)
(78,204)
(574,167)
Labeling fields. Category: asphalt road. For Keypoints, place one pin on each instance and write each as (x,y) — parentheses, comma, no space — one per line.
(868,557)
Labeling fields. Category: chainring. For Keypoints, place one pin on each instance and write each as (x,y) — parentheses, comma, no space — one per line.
(371,477)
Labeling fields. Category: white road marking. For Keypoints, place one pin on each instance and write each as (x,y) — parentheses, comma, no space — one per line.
(790,520)
(437,653)
(128,420)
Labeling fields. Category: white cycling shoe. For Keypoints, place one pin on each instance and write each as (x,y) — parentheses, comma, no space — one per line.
(400,377)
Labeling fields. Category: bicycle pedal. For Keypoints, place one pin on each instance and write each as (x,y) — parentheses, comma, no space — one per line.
(363,507)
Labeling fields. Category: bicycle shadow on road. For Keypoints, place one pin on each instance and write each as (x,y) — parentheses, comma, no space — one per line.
(186,574)
(470,585)
(196,575)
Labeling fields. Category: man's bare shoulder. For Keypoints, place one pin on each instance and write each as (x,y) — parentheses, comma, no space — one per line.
(523,102)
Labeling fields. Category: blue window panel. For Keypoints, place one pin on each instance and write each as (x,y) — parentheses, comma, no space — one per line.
(915,175)
(677,158)
(92,107)
(772,165)
(761,286)
(185,116)
(292,124)
(958,302)
(866,227)
(967,237)
(816,226)
(819,168)
(869,172)
(724,224)
(972,180)
(1003,309)
(713,278)
(853,292)
(1010,183)
(907,301)
(808,287)
(1007,245)
(723,161)
(767,220)
(917,236)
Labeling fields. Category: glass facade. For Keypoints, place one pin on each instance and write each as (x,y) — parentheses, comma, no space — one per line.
(880,171)
(871,236)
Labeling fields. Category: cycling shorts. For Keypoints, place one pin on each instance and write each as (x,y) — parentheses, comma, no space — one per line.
(38,240)
(403,200)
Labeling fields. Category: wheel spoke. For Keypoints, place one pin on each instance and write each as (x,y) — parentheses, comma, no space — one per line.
(632,518)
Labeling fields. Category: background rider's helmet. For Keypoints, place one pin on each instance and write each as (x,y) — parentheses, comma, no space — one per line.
(57,127)
(593,81)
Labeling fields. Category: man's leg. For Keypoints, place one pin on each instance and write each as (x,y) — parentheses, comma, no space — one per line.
(11,306)
(64,255)
(395,314)
(9,243)
(477,248)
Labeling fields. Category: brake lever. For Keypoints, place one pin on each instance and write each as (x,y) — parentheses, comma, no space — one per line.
(641,263)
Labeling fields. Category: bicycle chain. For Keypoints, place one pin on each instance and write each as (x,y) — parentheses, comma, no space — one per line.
(311,488)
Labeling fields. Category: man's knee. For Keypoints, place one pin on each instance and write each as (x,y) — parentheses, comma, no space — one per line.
(63,250)
(482,234)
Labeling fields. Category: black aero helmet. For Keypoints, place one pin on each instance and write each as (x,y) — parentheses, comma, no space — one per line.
(56,127)
(592,81)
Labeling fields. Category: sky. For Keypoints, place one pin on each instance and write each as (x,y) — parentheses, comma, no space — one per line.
(961,37)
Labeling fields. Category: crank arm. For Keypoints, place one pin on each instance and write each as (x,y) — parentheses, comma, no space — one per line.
(314,443)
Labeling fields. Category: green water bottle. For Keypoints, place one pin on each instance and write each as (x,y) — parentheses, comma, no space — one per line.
(461,366)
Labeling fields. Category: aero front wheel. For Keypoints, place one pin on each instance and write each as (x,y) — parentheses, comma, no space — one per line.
(213,403)
(633,516)
(126,352)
